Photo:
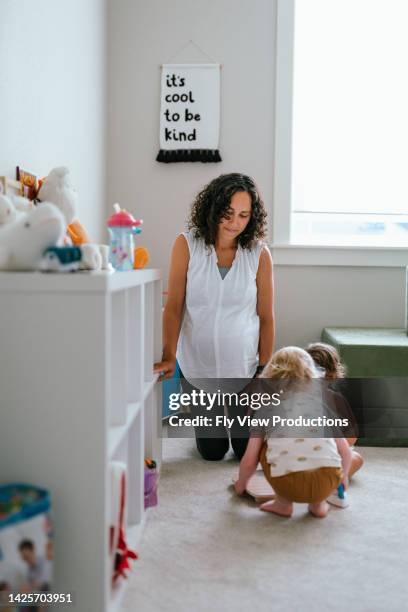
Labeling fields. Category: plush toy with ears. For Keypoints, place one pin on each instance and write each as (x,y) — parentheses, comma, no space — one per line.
(23,242)
(8,212)
(12,207)
(57,188)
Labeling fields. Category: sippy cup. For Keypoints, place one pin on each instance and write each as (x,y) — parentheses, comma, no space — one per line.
(122,226)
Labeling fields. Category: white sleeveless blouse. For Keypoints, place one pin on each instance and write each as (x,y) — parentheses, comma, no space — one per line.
(220,330)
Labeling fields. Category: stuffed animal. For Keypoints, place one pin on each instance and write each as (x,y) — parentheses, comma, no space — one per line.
(8,212)
(61,259)
(91,257)
(22,243)
(12,207)
(57,188)
(22,204)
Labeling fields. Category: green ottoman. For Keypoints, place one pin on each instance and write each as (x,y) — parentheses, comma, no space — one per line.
(378,353)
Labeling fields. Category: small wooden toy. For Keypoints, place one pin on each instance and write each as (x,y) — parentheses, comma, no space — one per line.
(258,487)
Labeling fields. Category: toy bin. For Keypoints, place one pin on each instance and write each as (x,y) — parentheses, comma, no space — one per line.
(26,540)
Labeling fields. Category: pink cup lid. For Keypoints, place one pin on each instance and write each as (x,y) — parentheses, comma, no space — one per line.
(122,218)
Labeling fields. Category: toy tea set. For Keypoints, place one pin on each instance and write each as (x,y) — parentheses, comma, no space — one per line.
(45,234)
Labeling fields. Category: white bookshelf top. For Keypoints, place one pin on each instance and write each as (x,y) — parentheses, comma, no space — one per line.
(85,281)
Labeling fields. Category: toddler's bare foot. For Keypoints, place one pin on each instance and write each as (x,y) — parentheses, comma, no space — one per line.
(282,508)
(357,463)
(319,510)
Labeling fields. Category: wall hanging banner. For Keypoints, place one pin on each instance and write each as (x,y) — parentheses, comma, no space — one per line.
(190,113)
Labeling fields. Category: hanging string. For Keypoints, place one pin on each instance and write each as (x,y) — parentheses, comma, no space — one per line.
(191,42)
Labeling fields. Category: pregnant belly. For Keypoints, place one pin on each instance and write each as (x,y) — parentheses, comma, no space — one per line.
(227,348)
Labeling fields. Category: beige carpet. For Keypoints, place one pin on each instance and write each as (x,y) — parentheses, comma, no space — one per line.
(204,549)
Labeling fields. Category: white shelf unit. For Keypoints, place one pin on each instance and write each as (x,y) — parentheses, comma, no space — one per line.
(77,390)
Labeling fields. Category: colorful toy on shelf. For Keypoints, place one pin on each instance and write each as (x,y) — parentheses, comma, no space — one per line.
(77,233)
(141,258)
(151,479)
(29,183)
(22,243)
(61,259)
(122,227)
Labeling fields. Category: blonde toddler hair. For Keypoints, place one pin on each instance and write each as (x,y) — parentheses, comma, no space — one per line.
(291,363)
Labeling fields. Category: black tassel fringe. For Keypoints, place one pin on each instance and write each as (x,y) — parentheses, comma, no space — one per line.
(189,155)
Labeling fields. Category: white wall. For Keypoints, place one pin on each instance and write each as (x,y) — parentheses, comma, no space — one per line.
(309,298)
(241,35)
(143,35)
(52,102)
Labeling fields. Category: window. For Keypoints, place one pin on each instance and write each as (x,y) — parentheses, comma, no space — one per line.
(342,106)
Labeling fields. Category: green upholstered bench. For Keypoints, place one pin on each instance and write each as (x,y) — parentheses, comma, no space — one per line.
(376,353)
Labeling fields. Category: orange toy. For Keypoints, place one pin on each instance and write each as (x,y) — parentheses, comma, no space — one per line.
(141,258)
(77,233)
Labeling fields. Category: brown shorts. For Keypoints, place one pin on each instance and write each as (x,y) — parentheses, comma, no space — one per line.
(309,486)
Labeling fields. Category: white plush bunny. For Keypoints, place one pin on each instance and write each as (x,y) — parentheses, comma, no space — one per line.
(22,204)
(8,211)
(12,207)
(23,242)
(57,188)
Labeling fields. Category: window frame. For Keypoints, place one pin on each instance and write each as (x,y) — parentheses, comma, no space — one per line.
(287,253)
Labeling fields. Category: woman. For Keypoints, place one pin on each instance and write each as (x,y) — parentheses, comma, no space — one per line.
(218,320)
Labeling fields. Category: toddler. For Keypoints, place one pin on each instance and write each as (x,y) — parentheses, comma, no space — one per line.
(326,357)
(302,469)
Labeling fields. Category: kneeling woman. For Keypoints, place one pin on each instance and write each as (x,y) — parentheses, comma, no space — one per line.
(218,319)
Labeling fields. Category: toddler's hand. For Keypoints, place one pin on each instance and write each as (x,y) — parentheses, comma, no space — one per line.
(239,488)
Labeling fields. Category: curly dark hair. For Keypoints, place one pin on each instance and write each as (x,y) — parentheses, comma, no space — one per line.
(212,204)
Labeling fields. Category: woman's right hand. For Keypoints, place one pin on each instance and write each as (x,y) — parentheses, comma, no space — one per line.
(165,368)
